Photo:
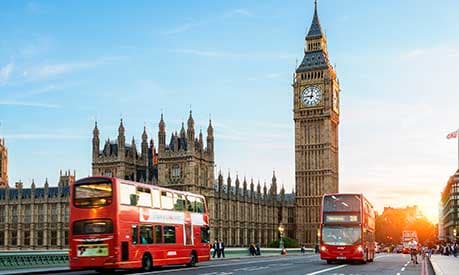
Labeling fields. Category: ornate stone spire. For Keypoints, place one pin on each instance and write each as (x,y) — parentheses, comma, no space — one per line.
(190,121)
(121,129)
(95,132)
(315,30)
(144,134)
(182,131)
(162,125)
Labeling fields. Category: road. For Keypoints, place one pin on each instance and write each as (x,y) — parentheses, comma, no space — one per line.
(393,264)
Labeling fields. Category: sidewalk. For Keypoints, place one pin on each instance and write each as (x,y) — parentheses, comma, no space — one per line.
(445,265)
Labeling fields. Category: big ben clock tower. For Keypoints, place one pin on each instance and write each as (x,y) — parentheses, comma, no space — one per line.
(316,115)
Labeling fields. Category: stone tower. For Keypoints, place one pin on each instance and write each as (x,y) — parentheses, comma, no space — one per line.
(186,163)
(3,164)
(122,160)
(316,115)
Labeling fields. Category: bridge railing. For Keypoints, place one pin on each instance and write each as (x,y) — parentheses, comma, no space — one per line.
(33,258)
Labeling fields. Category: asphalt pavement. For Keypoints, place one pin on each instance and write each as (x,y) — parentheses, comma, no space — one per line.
(393,264)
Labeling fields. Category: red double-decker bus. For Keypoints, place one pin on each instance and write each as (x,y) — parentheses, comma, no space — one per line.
(347,229)
(120,224)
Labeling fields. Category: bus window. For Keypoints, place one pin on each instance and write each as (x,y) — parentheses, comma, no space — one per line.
(199,205)
(205,234)
(128,194)
(158,234)
(134,234)
(189,203)
(146,234)
(169,234)
(144,197)
(102,226)
(179,202)
(93,194)
(156,198)
(166,200)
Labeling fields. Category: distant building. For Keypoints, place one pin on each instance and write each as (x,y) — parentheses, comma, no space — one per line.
(440,226)
(35,218)
(3,164)
(449,205)
(411,213)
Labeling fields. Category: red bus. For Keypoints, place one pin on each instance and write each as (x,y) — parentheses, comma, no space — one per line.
(347,228)
(120,224)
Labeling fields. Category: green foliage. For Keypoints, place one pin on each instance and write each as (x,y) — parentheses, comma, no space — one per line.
(288,243)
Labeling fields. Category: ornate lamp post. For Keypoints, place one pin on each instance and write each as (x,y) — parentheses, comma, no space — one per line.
(281,232)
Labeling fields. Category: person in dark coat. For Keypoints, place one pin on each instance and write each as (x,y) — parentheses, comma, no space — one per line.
(252,249)
(216,250)
(258,249)
(221,248)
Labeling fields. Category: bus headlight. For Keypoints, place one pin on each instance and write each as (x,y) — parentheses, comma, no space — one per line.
(323,248)
(359,248)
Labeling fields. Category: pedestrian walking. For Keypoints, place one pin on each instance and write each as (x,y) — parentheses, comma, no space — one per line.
(215,247)
(302,249)
(258,249)
(252,249)
(221,248)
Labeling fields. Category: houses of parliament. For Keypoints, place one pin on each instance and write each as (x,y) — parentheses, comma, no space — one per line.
(241,210)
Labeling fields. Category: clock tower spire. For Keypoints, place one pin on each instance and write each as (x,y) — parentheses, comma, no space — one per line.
(316,116)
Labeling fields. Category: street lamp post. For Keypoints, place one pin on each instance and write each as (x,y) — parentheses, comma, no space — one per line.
(281,232)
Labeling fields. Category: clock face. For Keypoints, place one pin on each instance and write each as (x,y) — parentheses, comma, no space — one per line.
(311,96)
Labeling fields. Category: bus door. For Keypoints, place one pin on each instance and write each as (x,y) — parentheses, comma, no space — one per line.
(188,229)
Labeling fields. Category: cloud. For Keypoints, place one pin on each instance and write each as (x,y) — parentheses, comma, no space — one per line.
(226,54)
(28,104)
(238,12)
(5,73)
(209,21)
(432,52)
(50,70)
(179,29)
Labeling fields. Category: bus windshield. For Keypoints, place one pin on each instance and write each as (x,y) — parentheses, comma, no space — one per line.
(93,194)
(341,235)
(342,203)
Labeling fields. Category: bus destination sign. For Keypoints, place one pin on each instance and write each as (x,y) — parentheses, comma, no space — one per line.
(341,218)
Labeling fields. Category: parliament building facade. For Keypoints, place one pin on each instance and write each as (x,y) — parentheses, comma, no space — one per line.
(241,211)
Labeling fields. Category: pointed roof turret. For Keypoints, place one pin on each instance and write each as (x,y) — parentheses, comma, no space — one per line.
(96,130)
(210,129)
(162,125)
(182,131)
(315,30)
(144,134)
(200,136)
(190,121)
(121,128)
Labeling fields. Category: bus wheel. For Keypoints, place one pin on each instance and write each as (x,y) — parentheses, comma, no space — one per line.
(329,261)
(147,264)
(192,260)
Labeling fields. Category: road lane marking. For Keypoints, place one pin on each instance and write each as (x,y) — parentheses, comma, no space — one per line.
(398,273)
(229,264)
(403,269)
(327,269)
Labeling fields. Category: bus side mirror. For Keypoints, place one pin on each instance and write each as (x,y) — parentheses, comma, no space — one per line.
(134,198)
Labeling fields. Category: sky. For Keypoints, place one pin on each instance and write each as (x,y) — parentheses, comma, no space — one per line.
(65,64)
